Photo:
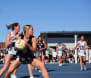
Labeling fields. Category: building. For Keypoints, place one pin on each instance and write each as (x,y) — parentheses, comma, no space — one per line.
(69,38)
(2,45)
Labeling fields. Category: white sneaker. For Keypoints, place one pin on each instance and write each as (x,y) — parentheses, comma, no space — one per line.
(32,77)
(35,68)
(60,64)
(39,71)
(13,76)
(81,69)
(85,68)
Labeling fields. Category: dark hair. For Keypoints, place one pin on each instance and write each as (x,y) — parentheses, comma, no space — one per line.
(39,36)
(11,26)
(59,42)
(82,35)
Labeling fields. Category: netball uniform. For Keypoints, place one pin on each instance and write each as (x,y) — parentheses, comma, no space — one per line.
(64,52)
(42,46)
(81,47)
(25,55)
(10,48)
(39,46)
(59,50)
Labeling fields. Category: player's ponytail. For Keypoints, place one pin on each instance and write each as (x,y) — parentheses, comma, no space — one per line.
(11,26)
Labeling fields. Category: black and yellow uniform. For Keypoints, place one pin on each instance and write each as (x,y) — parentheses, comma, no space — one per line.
(25,55)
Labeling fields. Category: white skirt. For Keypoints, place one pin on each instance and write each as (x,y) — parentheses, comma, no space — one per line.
(12,51)
(82,53)
(59,53)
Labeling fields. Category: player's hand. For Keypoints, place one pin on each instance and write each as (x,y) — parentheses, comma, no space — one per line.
(41,49)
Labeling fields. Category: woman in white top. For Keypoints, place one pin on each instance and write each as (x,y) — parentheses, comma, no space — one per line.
(59,52)
(9,44)
(82,46)
(54,54)
(64,50)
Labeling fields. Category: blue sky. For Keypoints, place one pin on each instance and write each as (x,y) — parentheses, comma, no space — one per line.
(46,15)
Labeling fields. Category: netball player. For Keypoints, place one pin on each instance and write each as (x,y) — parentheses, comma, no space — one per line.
(9,44)
(38,53)
(82,46)
(59,52)
(27,55)
(64,54)
(41,47)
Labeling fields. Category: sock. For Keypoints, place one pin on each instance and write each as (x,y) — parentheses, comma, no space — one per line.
(32,77)
(81,68)
(13,76)
(85,67)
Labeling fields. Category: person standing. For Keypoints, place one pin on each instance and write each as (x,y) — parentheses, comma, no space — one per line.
(82,47)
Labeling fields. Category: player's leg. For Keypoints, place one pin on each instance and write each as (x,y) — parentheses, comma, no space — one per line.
(40,66)
(80,58)
(15,64)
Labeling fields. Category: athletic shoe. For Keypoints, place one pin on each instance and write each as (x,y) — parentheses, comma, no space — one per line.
(39,71)
(35,68)
(85,68)
(13,76)
(81,69)
(32,77)
(60,64)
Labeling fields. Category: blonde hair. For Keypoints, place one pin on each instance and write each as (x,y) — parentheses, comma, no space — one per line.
(25,28)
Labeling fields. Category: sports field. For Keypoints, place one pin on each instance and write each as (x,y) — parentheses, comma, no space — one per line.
(66,71)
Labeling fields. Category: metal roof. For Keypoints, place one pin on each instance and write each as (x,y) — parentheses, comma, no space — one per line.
(68,32)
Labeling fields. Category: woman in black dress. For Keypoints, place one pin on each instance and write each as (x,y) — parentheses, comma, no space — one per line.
(26,55)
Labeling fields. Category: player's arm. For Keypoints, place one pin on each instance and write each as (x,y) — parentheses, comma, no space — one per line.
(8,41)
(34,46)
(86,46)
(56,48)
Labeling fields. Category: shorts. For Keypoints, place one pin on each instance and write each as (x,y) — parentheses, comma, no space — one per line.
(54,58)
(10,49)
(25,58)
(38,54)
(59,53)
(10,52)
(82,53)
(43,53)
(64,54)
